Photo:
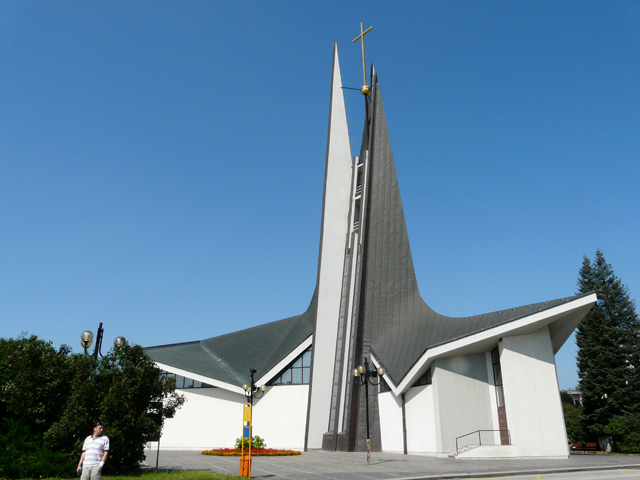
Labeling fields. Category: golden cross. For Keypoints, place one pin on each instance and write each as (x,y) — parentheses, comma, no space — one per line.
(365,89)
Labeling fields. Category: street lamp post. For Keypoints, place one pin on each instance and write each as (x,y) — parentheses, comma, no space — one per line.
(247,425)
(364,376)
(86,339)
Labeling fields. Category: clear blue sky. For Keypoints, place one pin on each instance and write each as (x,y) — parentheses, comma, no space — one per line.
(162,163)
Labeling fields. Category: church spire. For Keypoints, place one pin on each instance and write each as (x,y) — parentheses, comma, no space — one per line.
(334,230)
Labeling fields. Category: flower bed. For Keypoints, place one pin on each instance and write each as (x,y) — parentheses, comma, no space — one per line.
(255,452)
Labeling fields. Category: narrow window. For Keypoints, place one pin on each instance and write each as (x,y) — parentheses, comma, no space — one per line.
(297,372)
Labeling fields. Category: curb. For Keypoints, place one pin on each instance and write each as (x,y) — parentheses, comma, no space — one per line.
(454,476)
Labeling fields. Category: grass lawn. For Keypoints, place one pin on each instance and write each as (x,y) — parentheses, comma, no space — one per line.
(171,475)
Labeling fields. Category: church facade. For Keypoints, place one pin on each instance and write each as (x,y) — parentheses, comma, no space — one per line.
(479,386)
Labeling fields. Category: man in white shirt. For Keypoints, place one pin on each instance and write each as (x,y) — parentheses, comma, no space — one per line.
(94,453)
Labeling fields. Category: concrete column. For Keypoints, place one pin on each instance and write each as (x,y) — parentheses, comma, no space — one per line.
(532,397)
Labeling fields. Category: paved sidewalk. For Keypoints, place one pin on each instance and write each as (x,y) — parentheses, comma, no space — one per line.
(318,465)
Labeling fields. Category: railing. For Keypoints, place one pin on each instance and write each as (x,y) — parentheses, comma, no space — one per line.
(479,433)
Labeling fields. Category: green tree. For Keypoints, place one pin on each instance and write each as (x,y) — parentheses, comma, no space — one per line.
(573,422)
(572,418)
(121,390)
(35,381)
(608,346)
(55,398)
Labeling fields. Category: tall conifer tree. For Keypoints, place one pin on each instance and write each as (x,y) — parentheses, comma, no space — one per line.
(608,348)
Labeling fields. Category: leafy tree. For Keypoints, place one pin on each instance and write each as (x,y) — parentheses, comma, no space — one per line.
(573,422)
(35,381)
(55,398)
(572,418)
(565,397)
(120,390)
(608,348)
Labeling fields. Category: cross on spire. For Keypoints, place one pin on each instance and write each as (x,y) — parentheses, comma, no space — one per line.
(365,88)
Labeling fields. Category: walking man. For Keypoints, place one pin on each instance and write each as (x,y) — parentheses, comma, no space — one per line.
(94,453)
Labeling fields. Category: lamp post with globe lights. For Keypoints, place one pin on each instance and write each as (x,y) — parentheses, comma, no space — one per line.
(251,391)
(86,340)
(365,376)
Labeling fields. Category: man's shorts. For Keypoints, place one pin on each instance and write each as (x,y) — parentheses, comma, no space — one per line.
(91,473)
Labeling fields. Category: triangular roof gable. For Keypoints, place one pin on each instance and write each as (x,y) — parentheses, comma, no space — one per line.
(228,358)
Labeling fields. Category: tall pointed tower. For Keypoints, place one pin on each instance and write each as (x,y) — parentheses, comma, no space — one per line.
(333,232)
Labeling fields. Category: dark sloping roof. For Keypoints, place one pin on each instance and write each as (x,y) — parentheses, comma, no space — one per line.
(229,357)
(400,326)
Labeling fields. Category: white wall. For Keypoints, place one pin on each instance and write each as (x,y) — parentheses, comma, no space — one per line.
(212,418)
(419,416)
(280,416)
(461,398)
(532,397)
(421,420)
(390,408)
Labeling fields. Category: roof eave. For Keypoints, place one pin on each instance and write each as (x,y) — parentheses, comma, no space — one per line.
(201,378)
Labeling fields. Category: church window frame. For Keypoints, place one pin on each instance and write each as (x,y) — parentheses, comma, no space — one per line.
(298,372)
(185,383)
(497,377)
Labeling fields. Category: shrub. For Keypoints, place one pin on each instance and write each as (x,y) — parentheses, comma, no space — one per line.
(573,422)
(23,456)
(257,443)
(625,432)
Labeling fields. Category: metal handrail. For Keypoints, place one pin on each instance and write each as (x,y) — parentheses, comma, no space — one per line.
(479,437)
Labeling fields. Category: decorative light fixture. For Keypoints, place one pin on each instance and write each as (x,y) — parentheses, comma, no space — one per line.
(86,340)
(251,391)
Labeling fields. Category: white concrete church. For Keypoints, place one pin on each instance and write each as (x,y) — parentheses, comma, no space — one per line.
(487,383)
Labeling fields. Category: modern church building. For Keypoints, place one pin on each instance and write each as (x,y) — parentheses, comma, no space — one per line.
(480,386)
